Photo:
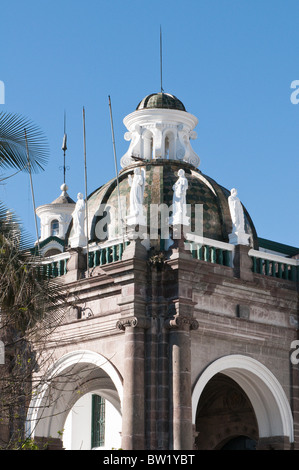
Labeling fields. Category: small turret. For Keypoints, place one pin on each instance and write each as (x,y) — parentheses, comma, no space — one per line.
(54,221)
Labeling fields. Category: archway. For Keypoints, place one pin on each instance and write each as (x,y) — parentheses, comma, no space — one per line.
(225,417)
(74,375)
(264,393)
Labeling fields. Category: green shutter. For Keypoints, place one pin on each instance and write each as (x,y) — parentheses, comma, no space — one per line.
(97,421)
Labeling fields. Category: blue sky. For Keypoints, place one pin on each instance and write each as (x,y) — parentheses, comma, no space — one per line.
(231,62)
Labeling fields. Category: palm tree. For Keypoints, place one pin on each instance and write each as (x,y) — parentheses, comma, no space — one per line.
(13,151)
(27,298)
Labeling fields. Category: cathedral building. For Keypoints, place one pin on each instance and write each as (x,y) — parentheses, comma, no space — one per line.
(181,323)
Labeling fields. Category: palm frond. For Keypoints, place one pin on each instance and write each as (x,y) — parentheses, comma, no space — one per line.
(11,228)
(13,152)
(27,295)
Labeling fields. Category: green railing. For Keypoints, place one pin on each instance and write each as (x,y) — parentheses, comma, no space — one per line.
(106,255)
(263,263)
(97,257)
(54,268)
(211,253)
(280,269)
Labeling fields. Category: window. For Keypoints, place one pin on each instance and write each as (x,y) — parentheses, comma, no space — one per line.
(166,148)
(147,137)
(54,228)
(169,146)
(97,421)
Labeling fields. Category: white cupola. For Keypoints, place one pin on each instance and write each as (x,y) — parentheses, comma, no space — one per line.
(160,128)
(55,219)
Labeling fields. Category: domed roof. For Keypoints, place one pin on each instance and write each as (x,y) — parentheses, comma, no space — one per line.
(64,198)
(160,177)
(161,100)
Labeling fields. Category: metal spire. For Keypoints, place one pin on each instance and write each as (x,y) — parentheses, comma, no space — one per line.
(86,193)
(64,147)
(161,59)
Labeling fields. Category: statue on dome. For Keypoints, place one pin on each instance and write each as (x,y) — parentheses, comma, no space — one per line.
(179,207)
(78,238)
(238,235)
(136,183)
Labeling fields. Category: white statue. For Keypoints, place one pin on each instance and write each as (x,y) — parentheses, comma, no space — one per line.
(78,238)
(238,235)
(179,207)
(79,215)
(137,184)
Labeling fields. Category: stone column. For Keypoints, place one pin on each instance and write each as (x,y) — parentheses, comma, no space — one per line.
(180,373)
(243,263)
(133,417)
(76,265)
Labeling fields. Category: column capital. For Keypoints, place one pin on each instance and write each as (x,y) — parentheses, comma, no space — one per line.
(181,322)
(133,322)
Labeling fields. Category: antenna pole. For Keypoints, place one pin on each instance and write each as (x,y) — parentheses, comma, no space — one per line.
(161,59)
(116,169)
(64,148)
(85,172)
(32,192)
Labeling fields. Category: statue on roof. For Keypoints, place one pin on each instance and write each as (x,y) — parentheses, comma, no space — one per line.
(179,207)
(78,238)
(136,183)
(238,235)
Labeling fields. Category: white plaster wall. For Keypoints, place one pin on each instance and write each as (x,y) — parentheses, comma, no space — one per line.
(77,428)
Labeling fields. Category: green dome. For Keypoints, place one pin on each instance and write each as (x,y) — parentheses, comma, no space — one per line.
(161,100)
(160,177)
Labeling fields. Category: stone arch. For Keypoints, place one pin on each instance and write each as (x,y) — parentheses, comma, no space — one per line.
(268,399)
(73,375)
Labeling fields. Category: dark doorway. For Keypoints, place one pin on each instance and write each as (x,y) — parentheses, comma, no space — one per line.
(240,443)
(225,418)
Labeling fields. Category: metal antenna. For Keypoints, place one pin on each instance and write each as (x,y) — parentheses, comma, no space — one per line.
(32,192)
(116,169)
(161,59)
(64,147)
(85,171)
